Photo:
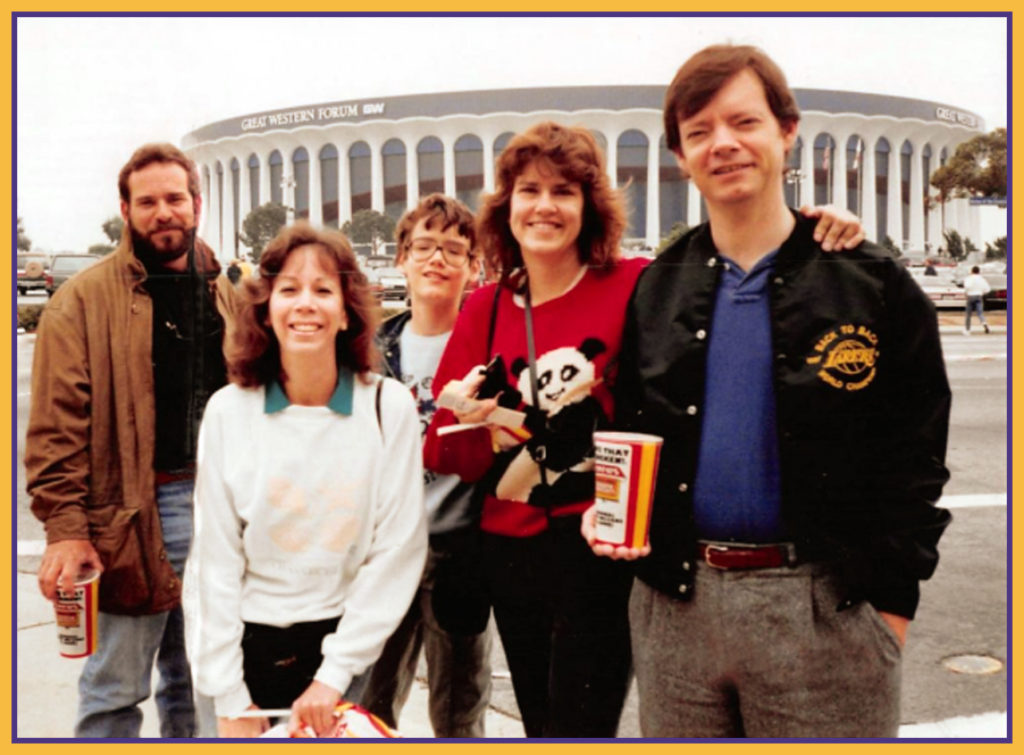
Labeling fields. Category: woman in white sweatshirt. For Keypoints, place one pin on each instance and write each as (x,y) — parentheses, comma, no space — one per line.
(309,524)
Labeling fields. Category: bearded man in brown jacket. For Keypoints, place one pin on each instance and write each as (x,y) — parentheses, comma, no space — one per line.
(126,355)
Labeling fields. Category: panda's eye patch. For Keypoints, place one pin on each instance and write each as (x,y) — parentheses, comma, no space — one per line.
(543,379)
(569,371)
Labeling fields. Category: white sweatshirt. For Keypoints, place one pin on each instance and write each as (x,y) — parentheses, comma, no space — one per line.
(302,514)
(976,285)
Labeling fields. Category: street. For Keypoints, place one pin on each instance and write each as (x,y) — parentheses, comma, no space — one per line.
(956,647)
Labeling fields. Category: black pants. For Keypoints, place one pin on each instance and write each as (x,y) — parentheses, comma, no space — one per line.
(279,662)
(562,614)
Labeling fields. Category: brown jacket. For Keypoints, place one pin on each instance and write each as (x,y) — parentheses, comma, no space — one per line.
(90,444)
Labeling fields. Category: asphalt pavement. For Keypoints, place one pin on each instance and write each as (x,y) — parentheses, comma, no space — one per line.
(955,664)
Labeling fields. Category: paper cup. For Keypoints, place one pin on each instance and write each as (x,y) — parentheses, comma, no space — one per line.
(625,469)
(77,612)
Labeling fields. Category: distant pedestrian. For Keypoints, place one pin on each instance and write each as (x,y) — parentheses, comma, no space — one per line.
(929,267)
(975,287)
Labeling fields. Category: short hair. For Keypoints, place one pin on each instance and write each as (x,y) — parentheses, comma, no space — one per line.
(254,357)
(436,209)
(975,269)
(573,151)
(148,154)
(699,79)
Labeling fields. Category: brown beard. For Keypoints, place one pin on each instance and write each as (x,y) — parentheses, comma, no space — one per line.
(151,255)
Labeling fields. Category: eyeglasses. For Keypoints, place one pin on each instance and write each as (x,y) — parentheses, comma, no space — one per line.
(454,253)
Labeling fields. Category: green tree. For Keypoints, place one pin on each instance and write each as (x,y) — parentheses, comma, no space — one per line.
(369,227)
(676,231)
(996,250)
(955,245)
(261,225)
(112,227)
(101,249)
(24,242)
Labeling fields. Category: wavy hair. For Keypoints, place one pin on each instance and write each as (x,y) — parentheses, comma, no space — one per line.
(438,210)
(254,357)
(574,153)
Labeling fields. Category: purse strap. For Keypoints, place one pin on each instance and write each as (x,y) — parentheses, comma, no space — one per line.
(531,354)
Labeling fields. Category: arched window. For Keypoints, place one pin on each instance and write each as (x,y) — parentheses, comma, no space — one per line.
(602,142)
(236,204)
(854,173)
(218,228)
(926,174)
(276,174)
(469,170)
(501,142)
(300,174)
(329,185)
(430,165)
(824,164)
(793,176)
(359,176)
(631,177)
(395,192)
(882,189)
(906,156)
(672,207)
(254,181)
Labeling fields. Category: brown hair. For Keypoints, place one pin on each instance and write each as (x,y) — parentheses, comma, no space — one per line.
(700,78)
(254,357)
(440,209)
(573,151)
(148,154)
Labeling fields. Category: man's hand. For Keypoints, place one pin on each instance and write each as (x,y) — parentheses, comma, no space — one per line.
(242,728)
(62,562)
(315,708)
(837,228)
(898,624)
(618,552)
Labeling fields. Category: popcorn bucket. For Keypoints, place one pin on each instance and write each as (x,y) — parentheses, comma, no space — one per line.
(77,613)
(625,470)
(351,721)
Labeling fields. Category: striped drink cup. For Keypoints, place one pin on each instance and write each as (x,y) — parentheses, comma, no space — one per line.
(625,469)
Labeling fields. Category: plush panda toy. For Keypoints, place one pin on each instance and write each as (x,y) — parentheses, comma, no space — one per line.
(561,427)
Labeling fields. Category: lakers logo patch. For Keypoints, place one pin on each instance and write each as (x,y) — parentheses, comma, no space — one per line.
(846,357)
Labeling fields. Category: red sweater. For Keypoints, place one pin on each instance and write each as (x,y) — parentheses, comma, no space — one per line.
(577,334)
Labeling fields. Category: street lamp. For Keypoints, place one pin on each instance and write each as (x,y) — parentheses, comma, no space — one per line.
(288,189)
(795,176)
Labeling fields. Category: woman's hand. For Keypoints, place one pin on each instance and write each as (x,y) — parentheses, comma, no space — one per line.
(314,708)
(242,728)
(588,529)
(465,390)
(837,228)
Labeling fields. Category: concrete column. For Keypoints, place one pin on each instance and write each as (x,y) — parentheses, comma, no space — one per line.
(653,193)
(692,204)
(894,205)
(613,158)
(214,234)
(344,186)
(449,166)
(244,192)
(227,250)
(412,178)
(316,193)
(916,234)
(806,193)
(934,223)
(376,178)
(868,179)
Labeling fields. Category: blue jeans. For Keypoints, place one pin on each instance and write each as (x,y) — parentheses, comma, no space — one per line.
(974,304)
(117,677)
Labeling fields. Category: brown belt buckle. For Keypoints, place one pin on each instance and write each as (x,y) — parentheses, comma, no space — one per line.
(708,548)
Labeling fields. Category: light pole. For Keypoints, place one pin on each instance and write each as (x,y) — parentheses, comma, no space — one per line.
(288,190)
(795,176)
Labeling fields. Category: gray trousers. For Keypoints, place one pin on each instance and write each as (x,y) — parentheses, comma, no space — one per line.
(763,653)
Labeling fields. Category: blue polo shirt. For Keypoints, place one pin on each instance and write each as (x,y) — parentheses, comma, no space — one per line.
(737,494)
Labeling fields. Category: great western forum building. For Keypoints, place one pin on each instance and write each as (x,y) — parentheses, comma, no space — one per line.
(870,153)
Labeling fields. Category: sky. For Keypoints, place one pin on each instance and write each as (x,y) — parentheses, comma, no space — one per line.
(90,90)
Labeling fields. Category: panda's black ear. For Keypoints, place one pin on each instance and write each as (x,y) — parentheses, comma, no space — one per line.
(518,365)
(592,347)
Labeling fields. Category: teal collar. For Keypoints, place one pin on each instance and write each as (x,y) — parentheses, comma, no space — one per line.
(340,402)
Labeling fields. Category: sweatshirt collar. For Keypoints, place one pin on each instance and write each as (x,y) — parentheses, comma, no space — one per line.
(340,402)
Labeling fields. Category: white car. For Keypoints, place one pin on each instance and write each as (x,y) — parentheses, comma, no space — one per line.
(940,288)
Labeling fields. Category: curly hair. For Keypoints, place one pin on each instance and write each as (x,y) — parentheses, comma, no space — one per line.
(573,151)
(148,154)
(254,357)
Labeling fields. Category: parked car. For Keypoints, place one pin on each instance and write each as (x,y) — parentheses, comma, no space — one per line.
(388,283)
(940,288)
(64,266)
(33,271)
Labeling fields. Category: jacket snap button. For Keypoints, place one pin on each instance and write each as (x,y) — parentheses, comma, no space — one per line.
(701,334)
(778,281)
(691,410)
(686,566)
(683,588)
(781,357)
(712,262)
(683,487)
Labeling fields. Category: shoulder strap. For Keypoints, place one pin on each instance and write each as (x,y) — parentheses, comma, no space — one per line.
(494,320)
(380,423)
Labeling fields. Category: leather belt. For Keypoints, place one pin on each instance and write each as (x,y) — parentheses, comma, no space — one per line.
(747,556)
